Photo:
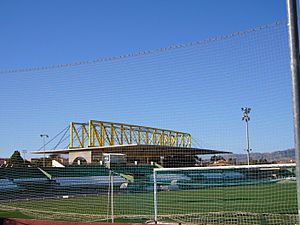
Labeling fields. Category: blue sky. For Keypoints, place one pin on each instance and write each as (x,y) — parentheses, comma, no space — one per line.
(199,89)
(53,32)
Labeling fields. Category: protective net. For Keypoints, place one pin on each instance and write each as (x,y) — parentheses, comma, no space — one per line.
(172,107)
(259,194)
(79,193)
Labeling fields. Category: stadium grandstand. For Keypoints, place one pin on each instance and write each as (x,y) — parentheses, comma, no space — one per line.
(139,144)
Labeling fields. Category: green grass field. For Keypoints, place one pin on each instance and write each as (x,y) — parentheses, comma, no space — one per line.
(249,204)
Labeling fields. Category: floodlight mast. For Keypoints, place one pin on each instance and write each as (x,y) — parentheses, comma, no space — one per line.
(44,144)
(246,118)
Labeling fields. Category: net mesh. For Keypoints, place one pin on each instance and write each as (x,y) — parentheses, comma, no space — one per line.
(264,194)
(196,88)
(77,193)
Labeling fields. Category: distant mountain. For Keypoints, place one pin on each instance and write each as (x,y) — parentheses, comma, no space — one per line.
(284,156)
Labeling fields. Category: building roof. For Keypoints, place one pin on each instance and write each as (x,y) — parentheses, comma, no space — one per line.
(136,150)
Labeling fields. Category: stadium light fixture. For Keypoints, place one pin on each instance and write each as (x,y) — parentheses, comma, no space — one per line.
(246,118)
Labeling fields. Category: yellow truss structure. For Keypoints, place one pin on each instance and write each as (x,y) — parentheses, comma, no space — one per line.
(100,133)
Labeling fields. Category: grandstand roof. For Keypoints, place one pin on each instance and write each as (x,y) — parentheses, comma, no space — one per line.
(136,150)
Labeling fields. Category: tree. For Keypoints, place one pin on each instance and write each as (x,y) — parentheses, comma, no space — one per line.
(16,160)
(263,161)
(216,158)
(232,161)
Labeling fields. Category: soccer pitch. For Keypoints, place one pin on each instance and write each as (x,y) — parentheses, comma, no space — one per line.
(273,203)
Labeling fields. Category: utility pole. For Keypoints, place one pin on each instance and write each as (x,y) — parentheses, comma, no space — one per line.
(246,118)
(44,136)
(292,19)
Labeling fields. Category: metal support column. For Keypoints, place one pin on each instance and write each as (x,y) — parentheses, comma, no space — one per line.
(294,66)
